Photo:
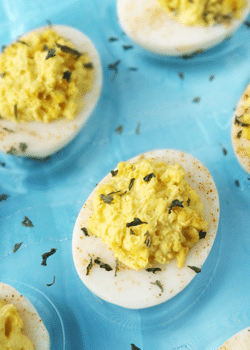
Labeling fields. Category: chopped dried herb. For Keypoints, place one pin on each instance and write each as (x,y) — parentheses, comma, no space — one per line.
(22,42)
(134,347)
(119,129)
(23,146)
(85,231)
(131,183)
(112,38)
(153,269)
(247,24)
(9,130)
(27,223)
(12,151)
(51,284)
(224,151)
(181,75)
(192,55)
(137,130)
(114,192)
(239,134)
(175,203)
(116,266)
(237,183)
(211,77)
(202,234)
(2,75)
(2,164)
(46,255)
(89,267)
(135,222)
(68,49)
(17,246)
(196,99)
(132,232)
(3,197)
(107,199)
(148,239)
(195,269)
(158,284)
(128,47)
(51,53)
(133,69)
(3,48)
(45,48)
(188,201)
(114,66)
(49,22)
(15,111)
(148,177)
(237,121)
(123,194)
(103,265)
(88,65)
(67,75)
(114,172)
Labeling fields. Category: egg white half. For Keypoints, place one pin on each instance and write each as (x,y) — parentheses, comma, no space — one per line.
(133,289)
(44,139)
(147,24)
(33,327)
(240,143)
(240,341)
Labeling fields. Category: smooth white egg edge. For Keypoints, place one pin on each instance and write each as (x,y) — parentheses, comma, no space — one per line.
(166,36)
(34,327)
(132,289)
(44,139)
(241,341)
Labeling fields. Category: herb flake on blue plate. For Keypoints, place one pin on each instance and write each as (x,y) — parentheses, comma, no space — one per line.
(3,197)
(133,69)
(134,347)
(112,39)
(237,183)
(195,269)
(224,151)
(196,99)
(128,47)
(27,223)
(17,246)
(135,222)
(102,265)
(51,284)
(181,75)
(2,164)
(46,255)
(3,48)
(137,129)
(211,77)
(119,129)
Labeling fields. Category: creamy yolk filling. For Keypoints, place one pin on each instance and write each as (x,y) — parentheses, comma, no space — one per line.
(11,337)
(148,213)
(245,119)
(203,12)
(42,79)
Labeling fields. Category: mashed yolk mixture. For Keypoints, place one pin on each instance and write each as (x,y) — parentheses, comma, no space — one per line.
(147,213)
(203,12)
(42,78)
(11,337)
(245,119)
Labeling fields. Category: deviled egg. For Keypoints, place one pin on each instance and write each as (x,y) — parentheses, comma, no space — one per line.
(21,325)
(178,28)
(144,239)
(240,341)
(50,82)
(240,131)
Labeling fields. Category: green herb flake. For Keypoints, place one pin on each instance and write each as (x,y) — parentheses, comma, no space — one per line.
(22,42)
(88,65)
(237,183)
(89,267)
(114,66)
(116,267)
(2,75)
(15,111)
(188,201)
(153,269)
(119,129)
(137,129)
(224,151)
(192,55)
(46,255)
(3,197)
(134,347)
(148,240)
(128,47)
(51,284)
(238,122)
(175,203)
(133,69)
(148,177)
(158,284)
(195,269)
(114,172)
(27,223)
(51,53)
(85,231)
(17,246)
(196,99)
(45,48)
(247,24)
(123,194)
(49,22)
(2,164)
(239,134)
(23,146)
(69,50)
(202,234)
(211,77)
(135,222)
(107,199)
(67,75)
(181,75)
(103,265)
(131,232)
(12,151)
(3,48)
(9,130)
(112,39)
(131,183)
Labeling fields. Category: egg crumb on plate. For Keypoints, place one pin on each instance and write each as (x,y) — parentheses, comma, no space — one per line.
(148,216)
(50,82)
(240,131)
(174,28)
(21,326)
